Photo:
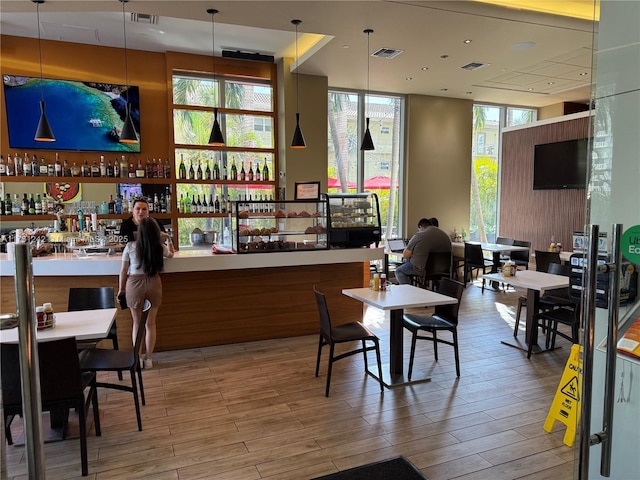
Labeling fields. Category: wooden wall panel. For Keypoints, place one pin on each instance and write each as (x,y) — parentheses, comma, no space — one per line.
(536,215)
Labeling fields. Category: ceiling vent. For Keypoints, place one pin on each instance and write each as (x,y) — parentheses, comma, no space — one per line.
(144,18)
(474,65)
(387,53)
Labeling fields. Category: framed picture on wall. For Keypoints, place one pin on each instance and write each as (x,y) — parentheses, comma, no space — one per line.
(307,191)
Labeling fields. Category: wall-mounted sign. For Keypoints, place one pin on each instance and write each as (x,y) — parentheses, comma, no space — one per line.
(630,244)
(307,191)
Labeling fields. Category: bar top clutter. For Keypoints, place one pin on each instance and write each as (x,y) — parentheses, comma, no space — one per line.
(69,264)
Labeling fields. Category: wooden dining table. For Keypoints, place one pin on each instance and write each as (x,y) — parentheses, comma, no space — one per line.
(536,283)
(395,299)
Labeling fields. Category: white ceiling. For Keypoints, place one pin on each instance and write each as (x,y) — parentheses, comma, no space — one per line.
(331,42)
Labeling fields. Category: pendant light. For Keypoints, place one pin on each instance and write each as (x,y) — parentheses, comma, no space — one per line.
(215,138)
(43,132)
(128,134)
(298,138)
(367,142)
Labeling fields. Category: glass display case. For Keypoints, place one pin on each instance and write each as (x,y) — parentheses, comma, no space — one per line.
(271,225)
(353,220)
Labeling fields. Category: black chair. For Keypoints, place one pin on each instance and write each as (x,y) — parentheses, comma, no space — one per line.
(104,360)
(62,387)
(504,241)
(438,266)
(444,318)
(544,258)
(521,258)
(349,332)
(93,298)
(474,260)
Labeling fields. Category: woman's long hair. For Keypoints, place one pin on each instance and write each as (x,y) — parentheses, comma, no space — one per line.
(149,248)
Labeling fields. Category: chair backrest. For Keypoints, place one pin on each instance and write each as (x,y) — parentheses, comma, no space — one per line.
(140,333)
(60,375)
(454,289)
(523,255)
(559,269)
(438,264)
(504,241)
(473,254)
(543,259)
(91,298)
(323,312)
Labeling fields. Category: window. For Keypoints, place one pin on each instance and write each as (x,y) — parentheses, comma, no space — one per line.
(379,170)
(488,121)
(261,124)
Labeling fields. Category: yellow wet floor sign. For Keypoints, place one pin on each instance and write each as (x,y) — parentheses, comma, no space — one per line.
(566,403)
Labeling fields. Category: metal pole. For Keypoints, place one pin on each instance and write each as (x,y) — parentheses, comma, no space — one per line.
(29,366)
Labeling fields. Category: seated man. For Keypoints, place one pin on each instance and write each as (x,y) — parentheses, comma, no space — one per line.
(429,238)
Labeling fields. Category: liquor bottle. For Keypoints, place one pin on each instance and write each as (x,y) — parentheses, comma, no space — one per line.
(95,169)
(117,209)
(156,203)
(163,203)
(258,172)
(8,206)
(182,170)
(112,205)
(51,205)
(243,175)
(168,199)
(207,173)
(116,168)
(199,171)
(10,168)
(167,168)
(187,203)
(124,171)
(103,167)
(216,205)
(132,171)
(51,169)
(17,160)
(86,170)
(110,173)
(148,169)
(265,172)
(234,170)
(192,172)
(224,170)
(181,204)
(194,205)
(229,204)
(44,168)
(57,167)
(3,166)
(140,171)
(250,171)
(66,171)
(16,206)
(216,170)
(32,205)
(26,166)
(154,169)
(35,166)
(38,205)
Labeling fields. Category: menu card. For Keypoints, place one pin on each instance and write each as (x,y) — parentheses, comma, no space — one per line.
(629,344)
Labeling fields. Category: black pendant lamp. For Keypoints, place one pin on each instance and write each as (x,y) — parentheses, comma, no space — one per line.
(215,138)
(367,142)
(128,133)
(43,132)
(298,138)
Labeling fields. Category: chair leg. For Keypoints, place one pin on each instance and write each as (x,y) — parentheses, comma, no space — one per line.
(114,339)
(364,352)
(331,348)
(319,353)
(82,424)
(135,399)
(455,350)
(7,428)
(435,344)
(517,324)
(96,410)
(140,385)
(377,344)
(414,337)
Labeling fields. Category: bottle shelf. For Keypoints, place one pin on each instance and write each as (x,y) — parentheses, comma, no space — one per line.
(104,216)
(183,181)
(203,215)
(30,179)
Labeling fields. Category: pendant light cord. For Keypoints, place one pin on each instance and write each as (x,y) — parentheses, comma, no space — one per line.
(40,51)
(126,62)
(297,73)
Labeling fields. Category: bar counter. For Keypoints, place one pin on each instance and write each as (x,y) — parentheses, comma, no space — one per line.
(215,299)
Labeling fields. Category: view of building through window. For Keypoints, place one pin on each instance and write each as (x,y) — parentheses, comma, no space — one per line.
(351,170)
(488,122)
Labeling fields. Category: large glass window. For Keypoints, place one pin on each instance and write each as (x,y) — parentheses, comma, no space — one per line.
(488,122)
(379,170)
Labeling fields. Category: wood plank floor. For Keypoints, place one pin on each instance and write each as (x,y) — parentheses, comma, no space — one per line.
(256,411)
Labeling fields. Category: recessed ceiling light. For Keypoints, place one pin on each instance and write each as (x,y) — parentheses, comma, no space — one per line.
(551,83)
(444,89)
(408,78)
(424,69)
(444,56)
(584,74)
(468,93)
(530,89)
(467,41)
(523,46)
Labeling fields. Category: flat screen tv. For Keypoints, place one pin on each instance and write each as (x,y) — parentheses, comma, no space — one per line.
(84,116)
(560,165)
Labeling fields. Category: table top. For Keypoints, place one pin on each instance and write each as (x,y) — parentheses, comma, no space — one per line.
(399,296)
(494,247)
(531,279)
(83,324)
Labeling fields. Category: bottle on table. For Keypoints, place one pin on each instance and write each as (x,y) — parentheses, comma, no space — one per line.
(35,166)
(95,169)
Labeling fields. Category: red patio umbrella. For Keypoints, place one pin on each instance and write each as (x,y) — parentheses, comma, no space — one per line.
(379,182)
(335,183)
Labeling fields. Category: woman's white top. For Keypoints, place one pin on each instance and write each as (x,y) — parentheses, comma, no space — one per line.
(129,255)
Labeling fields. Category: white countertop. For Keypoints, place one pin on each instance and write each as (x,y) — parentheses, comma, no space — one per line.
(191,261)
(531,279)
(399,296)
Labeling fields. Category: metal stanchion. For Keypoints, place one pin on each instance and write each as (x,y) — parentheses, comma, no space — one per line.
(29,367)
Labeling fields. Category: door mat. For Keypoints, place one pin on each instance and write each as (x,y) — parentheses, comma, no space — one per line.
(393,469)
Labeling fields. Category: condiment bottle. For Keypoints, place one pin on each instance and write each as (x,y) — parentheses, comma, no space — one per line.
(48,314)
(40,316)
(383,281)
(376,282)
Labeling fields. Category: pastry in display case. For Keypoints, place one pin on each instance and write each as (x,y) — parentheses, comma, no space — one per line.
(270,225)
(353,220)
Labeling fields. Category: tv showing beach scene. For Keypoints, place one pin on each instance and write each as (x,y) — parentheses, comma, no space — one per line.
(84,116)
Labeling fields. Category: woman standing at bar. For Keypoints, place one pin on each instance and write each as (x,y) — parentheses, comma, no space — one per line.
(142,262)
